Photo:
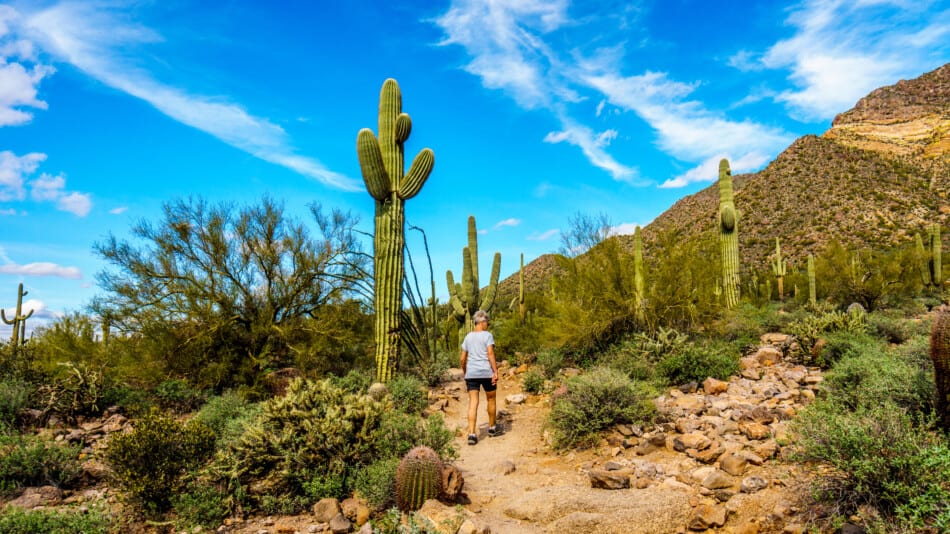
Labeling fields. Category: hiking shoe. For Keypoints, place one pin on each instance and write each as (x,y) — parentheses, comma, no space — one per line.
(472,439)
(495,430)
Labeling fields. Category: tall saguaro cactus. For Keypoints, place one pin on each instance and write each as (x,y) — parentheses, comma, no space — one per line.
(728,236)
(924,259)
(812,296)
(19,320)
(638,283)
(466,297)
(936,256)
(521,307)
(382,166)
(779,269)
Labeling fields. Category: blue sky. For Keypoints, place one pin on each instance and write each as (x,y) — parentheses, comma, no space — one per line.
(535,109)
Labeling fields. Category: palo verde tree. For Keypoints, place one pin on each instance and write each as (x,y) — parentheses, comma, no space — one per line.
(221,291)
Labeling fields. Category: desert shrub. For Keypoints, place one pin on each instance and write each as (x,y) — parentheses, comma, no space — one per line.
(595,401)
(810,329)
(149,462)
(131,401)
(893,328)
(533,381)
(15,520)
(28,460)
(354,381)
(882,456)
(398,432)
(315,427)
(75,389)
(179,396)
(376,482)
(200,504)
(408,393)
(14,398)
(227,415)
(699,361)
(431,370)
(551,361)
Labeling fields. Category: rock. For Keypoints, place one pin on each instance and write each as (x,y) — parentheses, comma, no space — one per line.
(454,375)
(774,338)
(444,519)
(355,510)
(94,470)
(452,482)
(653,443)
(611,480)
(754,431)
(34,497)
(693,404)
(766,449)
(768,356)
(794,528)
(505,467)
(467,527)
(734,464)
(706,456)
(693,440)
(718,480)
(367,528)
(326,509)
(753,484)
(517,398)
(613,466)
(751,374)
(707,516)
(340,524)
(714,387)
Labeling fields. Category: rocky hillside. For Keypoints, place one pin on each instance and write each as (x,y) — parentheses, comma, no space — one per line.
(879,175)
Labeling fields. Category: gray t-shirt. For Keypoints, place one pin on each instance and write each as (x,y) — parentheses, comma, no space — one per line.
(476,345)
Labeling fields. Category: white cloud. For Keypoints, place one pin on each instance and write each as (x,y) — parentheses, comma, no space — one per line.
(624,229)
(20,75)
(118,211)
(708,170)
(841,50)
(79,204)
(41,269)
(544,236)
(507,222)
(98,41)
(42,315)
(48,188)
(593,146)
(13,172)
(6,212)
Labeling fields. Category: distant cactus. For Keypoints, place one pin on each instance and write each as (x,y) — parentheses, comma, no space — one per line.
(936,256)
(466,297)
(940,354)
(728,236)
(811,280)
(779,270)
(924,258)
(19,320)
(521,308)
(381,162)
(418,478)
(638,282)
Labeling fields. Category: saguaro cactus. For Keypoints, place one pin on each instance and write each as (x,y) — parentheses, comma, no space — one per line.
(779,269)
(382,166)
(812,298)
(19,320)
(940,354)
(936,256)
(520,298)
(638,282)
(728,236)
(924,259)
(466,297)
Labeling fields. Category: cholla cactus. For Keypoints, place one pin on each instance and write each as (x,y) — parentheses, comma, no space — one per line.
(418,478)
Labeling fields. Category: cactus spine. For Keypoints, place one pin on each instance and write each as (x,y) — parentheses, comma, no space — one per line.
(19,320)
(466,297)
(940,354)
(382,166)
(812,297)
(638,282)
(936,256)
(728,236)
(418,478)
(779,267)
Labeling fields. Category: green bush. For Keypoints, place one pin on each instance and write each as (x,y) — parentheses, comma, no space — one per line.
(14,398)
(894,328)
(149,462)
(408,393)
(354,381)
(200,504)
(882,457)
(75,389)
(810,329)
(15,520)
(376,483)
(227,415)
(551,361)
(28,460)
(179,396)
(595,401)
(131,401)
(699,361)
(533,381)
(398,432)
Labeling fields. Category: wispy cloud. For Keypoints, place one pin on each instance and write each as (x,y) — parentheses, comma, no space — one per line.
(119,210)
(20,74)
(708,170)
(507,222)
(41,269)
(15,174)
(624,229)
(842,49)
(98,40)
(544,236)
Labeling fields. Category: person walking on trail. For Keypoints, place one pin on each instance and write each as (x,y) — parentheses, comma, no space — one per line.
(481,372)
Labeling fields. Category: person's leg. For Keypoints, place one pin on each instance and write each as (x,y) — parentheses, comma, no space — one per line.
(491,395)
(472,410)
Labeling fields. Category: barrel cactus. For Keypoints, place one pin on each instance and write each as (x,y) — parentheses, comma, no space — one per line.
(728,236)
(940,354)
(418,478)
(382,166)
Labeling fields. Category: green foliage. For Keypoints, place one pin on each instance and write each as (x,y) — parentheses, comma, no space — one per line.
(870,277)
(597,400)
(14,398)
(227,416)
(893,327)
(179,396)
(149,461)
(376,483)
(75,389)
(533,381)
(810,329)
(15,520)
(418,478)
(551,361)
(355,381)
(393,522)
(28,460)
(398,432)
(699,361)
(200,504)
(408,394)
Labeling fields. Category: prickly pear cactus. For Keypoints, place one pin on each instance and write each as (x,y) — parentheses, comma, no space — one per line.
(940,354)
(381,162)
(418,478)
(728,236)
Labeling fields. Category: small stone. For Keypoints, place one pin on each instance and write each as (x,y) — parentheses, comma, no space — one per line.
(718,480)
(517,398)
(505,467)
(340,524)
(693,440)
(734,464)
(326,509)
(753,484)
(713,386)
(613,466)
(600,478)
(707,516)
(754,431)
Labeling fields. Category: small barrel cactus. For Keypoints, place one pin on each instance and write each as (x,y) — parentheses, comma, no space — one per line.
(418,478)
(940,354)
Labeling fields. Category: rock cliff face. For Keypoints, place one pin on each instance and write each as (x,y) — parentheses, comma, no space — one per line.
(909,118)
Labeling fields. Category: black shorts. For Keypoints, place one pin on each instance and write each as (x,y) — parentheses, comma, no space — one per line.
(472,384)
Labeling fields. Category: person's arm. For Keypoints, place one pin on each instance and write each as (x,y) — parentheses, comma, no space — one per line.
(494,366)
(464,361)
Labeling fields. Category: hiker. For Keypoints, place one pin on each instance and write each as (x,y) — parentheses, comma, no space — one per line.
(481,371)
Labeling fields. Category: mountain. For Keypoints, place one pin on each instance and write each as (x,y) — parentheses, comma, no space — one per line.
(879,175)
